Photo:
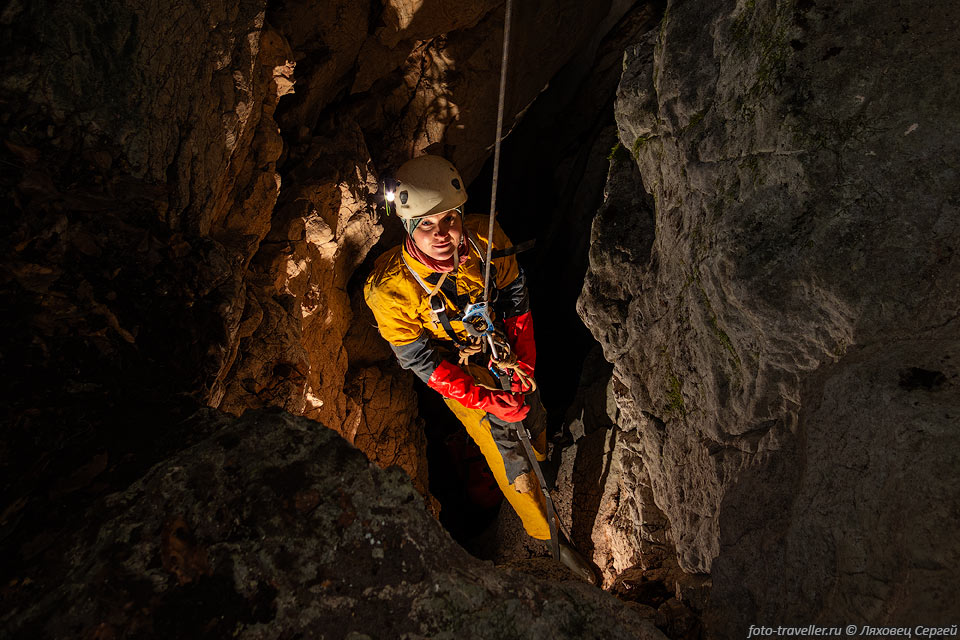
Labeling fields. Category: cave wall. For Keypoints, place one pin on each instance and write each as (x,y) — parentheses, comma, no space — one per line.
(780,309)
(140,155)
(154,259)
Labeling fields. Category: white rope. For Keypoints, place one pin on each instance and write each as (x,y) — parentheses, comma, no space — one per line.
(522,433)
(496,147)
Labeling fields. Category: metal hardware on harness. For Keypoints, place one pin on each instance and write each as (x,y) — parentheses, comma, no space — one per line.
(436,309)
(508,366)
(477,323)
(476,320)
(438,313)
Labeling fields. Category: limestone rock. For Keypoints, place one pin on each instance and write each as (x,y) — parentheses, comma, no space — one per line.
(425,75)
(784,325)
(386,426)
(677,620)
(326,38)
(274,526)
(374,86)
(141,176)
(323,227)
(603,490)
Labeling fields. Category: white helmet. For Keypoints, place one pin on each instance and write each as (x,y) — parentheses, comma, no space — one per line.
(427,185)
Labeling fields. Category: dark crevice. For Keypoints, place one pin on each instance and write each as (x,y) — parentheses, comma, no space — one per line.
(915,378)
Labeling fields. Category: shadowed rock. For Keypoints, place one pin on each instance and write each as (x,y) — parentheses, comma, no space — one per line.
(274,527)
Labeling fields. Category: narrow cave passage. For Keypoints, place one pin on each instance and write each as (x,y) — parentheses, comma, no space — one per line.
(204,434)
(459,477)
(553,170)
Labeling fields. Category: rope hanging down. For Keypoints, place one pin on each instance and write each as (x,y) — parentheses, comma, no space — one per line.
(496,147)
(522,433)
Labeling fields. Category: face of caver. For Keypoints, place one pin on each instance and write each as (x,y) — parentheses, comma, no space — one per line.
(438,235)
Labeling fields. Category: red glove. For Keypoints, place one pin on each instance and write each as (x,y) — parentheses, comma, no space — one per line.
(520,336)
(452,382)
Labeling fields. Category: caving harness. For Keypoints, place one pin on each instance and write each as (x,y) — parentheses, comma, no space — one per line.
(483,334)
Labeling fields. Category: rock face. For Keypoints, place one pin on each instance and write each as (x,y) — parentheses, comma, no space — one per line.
(144,255)
(605,495)
(414,75)
(376,84)
(783,320)
(140,175)
(275,527)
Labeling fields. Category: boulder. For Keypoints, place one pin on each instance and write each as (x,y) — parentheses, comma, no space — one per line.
(274,526)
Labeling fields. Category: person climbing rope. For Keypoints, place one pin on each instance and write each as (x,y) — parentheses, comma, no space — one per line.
(429,301)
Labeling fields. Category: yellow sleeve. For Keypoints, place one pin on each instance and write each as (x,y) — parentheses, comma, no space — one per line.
(395,308)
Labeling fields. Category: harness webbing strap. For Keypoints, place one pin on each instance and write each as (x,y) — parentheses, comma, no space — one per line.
(440,311)
(426,287)
(437,305)
(517,248)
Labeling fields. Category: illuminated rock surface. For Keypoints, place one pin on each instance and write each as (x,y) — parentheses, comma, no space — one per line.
(777,287)
(191,200)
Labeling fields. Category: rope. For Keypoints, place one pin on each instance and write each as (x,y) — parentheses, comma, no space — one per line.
(468,351)
(496,147)
(509,365)
(527,384)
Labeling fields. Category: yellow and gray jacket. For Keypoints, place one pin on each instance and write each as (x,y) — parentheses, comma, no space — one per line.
(396,293)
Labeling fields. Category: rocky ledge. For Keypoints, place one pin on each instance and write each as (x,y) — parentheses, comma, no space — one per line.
(275,527)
